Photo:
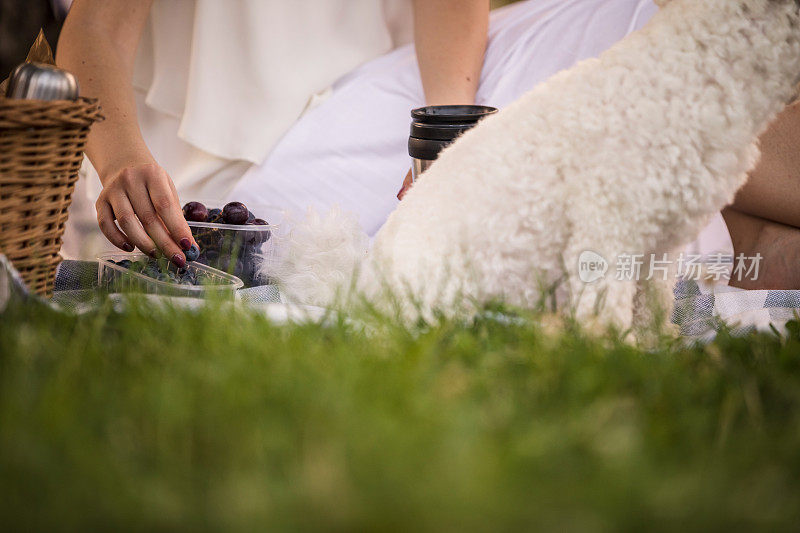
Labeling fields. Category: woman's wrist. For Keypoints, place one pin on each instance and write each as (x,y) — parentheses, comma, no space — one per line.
(451,97)
(449,101)
(110,168)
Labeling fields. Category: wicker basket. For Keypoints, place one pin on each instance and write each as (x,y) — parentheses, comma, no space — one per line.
(41,149)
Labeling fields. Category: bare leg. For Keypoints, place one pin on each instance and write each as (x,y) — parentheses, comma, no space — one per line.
(778,244)
(765,216)
(773,189)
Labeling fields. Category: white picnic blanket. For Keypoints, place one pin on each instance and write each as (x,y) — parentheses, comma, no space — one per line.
(699,311)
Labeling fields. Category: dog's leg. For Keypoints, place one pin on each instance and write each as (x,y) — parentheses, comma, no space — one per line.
(598,301)
(606,302)
(654,302)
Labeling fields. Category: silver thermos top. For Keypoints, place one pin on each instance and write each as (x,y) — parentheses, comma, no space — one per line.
(37,81)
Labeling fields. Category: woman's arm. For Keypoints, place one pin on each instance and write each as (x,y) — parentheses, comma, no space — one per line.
(450,38)
(98,44)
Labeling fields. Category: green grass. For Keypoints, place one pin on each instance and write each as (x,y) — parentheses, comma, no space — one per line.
(217,420)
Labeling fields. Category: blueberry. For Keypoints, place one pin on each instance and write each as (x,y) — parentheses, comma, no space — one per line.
(151,269)
(192,253)
(250,217)
(188,278)
(211,257)
(223,263)
(231,265)
(235,213)
(249,271)
(125,263)
(237,269)
(215,215)
(231,244)
(195,212)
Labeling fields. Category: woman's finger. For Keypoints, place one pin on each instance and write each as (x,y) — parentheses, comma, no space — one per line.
(168,209)
(407,182)
(129,223)
(178,199)
(105,218)
(154,226)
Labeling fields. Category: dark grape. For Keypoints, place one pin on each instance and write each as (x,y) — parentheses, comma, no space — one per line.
(235,213)
(251,238)
(263,235)
(228,249)
(195,212)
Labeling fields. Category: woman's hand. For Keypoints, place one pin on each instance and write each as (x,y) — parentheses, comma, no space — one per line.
(98,44)
(407,182)
(143,201)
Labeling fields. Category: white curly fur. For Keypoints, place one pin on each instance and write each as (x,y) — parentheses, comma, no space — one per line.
(631,153)
(330,246)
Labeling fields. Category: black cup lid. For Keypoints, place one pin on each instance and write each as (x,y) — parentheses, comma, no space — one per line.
(439,132)
(446,122)
(451,114)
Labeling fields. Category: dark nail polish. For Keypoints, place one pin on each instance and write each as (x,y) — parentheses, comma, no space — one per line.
(185,243)
(128,247)
(179,261)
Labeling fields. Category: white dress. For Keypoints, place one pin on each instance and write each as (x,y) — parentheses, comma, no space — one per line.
(351,151)
(218,82)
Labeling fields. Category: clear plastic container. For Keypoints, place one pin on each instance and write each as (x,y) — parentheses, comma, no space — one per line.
(239,250)
(115,278)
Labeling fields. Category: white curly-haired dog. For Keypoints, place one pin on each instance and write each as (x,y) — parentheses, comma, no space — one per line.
(630,153)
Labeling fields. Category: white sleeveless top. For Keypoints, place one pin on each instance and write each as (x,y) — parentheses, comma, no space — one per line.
(238,73)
